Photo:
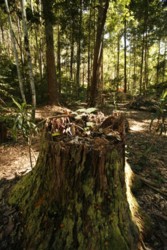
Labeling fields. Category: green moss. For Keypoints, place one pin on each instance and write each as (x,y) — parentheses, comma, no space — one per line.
(88,187)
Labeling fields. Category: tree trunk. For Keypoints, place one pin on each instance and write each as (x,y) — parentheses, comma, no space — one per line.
(158,61)
(29,60)
(141,66)
(15,53)
(165,63)
(50,57)
(118,61)
(125,56)
(79,49)
(75,197)
(59,58)
(102,13)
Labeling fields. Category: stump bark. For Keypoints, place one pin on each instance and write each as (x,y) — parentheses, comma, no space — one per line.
(75,197)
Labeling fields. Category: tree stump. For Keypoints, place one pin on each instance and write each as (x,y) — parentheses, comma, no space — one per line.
(75,197)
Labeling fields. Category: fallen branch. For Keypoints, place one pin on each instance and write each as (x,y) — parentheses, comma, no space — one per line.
(152,185)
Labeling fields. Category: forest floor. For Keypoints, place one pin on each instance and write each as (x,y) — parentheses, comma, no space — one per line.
(147,156)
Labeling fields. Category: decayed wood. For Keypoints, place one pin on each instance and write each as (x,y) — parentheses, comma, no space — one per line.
(75,197)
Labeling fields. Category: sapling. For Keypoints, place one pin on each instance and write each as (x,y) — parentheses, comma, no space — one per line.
(23,123)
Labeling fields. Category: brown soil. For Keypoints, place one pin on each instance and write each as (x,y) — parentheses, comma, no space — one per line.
(147,156)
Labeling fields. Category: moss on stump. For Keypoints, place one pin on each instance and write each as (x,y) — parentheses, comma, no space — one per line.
(75,197)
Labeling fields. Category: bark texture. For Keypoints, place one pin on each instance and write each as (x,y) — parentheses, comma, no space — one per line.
(75,197)
(50,57)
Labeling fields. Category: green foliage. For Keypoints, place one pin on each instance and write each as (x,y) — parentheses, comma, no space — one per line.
(158,122)
(8,79)
(22,121)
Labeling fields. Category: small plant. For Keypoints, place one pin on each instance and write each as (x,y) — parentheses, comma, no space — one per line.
(23,123)
(158,122)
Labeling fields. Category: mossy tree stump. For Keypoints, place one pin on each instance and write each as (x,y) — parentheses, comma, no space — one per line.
(75,197)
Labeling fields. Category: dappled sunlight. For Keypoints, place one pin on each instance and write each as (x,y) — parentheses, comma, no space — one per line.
(139,126)
(15,161)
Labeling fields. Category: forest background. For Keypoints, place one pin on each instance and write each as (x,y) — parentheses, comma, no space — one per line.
(57,51)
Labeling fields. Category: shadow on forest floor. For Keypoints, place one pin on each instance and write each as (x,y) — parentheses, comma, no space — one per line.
(147,156)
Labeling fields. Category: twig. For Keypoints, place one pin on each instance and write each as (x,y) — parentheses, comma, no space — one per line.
(152,185)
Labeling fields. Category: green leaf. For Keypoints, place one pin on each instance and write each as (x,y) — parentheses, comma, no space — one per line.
(17,104)
(56,134)
(164,94)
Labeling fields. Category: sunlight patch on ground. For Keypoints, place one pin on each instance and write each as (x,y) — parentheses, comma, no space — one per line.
(137,126)
(15,161)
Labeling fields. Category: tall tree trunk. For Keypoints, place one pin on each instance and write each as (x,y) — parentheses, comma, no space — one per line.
(165,63)
(141,66)
(125,56)
(145,82)
(15,53)
(59,58)
(39,42)
(50,57)
(134,62)
(118,60)
(29,61)
(79,49)
(89,53)
(102,13)
(75,197)
(158,61)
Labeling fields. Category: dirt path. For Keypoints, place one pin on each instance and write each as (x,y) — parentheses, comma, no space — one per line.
(147,156)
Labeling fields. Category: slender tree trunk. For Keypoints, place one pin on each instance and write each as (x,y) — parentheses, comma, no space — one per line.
(79,49)
(59,58)
(39,42)
(145,83)
(102,13)
(118,60)
(165,63)
(39,52)
(125,56)
(89,54)
(134,62)
(29,60)
(15,53)
(141,66)
(72,54)
(158,61)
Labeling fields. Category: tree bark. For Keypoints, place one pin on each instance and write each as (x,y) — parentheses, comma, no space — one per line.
(15,53)
(125,56)
(141,66)
(102,13)
(75,197)
(79,49)
(29,60)
(50,57)
(118,61)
